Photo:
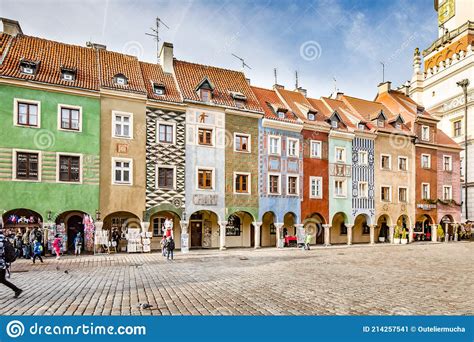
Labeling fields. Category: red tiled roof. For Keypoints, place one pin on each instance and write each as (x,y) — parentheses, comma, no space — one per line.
(297,102)
(320,107)
(189,75)
(269,99)
(3,43)
(444,140)
(51,57)
(153,74)
(341,109)
(114,63)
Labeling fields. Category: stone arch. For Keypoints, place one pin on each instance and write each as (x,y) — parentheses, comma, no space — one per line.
(361,229)
(338,233)
(245,229)
(268,233)
(289,223)
(313,224)
(28,220)
(203,229)
(382,230)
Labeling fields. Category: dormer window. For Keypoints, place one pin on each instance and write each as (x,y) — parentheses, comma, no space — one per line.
(68,74)
(361,126)
(204,90)
(420,110)
(158,89)
(281,113)
(239,99)
(311,115)
(398,125)
(205,95)
(380,122)
(27,67)
(334,124)
(120,79)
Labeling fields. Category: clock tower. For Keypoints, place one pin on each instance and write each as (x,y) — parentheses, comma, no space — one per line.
(443,82)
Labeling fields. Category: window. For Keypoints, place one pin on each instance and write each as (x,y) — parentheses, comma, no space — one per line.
(239,103)
(292,188)
(27,166)
(242,183)
(205,179)
(281,114)
(122,125)
(70,118)
(361,126)
(340,154)
(27,67)
(27,113)
(340,188)
(457,127)
(385,162)
(120,79)
(205,136)
(402,195)
(448,163)
(447,193)
(205,95)
(165,133)
(316,187)
(311,116)
(166,177)
(334,124)
(274,184)
(425,133)
(293,145)
(241,142)
(363,190)
(69,168)
(68,74)
(274,145)
(425,161)
(380,123)
(425,191)
(158,224)
(386,194)
(363,158)
(316,150)
(122,171)
(159,89)
(402,164)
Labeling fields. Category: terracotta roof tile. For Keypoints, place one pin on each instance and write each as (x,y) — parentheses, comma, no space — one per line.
(300,105)
(343,110)
(4,38)
(153,74)
(114,63)
(190,75)
(268,100)
(444,140)
(51,57)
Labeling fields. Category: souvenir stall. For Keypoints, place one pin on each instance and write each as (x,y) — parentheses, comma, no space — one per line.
(51,229)
(134,240)
(89,232)
(21,220)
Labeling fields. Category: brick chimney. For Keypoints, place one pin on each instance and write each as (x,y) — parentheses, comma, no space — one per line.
(11,27)
(278,86)
(385,87)
(166,57)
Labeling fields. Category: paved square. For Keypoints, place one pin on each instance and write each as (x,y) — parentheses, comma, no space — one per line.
(417,279)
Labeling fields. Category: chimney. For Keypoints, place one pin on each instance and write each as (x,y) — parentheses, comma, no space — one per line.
(248,80)
(278,86)
(384,87)
(302,91)
(166,57)
(11,27)
(96,46)
(339,95)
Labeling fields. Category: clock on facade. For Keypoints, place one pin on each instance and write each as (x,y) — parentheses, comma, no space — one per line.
(445,11)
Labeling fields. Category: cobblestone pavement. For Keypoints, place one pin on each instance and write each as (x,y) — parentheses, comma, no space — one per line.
(417,279)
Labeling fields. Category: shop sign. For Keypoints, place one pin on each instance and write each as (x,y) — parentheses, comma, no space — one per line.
(425,206)
(205,199)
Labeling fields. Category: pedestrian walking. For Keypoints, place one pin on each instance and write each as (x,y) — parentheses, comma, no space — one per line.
(307,241)
(37,250)
(170,248)
(163,246)
(78,244)
(26,244)
(7,255)
(57,244)
(18,245)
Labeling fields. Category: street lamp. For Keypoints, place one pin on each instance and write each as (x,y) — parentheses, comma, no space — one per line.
(49,215)
(97,215)
(464,84)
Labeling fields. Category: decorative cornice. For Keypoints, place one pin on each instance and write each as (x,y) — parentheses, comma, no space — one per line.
(286,126)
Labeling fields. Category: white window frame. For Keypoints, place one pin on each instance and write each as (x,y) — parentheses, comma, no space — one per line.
(315,179)
(398,198)
(344,187)
(15,112)
(389,193)
(278,145)
(366,158)
(206,168)
(213,136)
(130,115)
(14,158)
(248,139)
(398,164)
(167,123)
(297,184)
(429,161)
(389,161)
(319,151)
(422,192)
(122,160)
(450,192)
(161,166)
(423,137)
(81,166)
(297,147)
(344,156)
(450,163)
(279,183)
(66,106)
(366,195)
(249,183)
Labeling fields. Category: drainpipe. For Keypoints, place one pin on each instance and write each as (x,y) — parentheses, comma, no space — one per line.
(464,84)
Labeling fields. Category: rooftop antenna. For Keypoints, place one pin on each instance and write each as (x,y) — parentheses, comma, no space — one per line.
(296,79)
(275,75)
(156,35)
(244,65)
(383,72)
(335,84)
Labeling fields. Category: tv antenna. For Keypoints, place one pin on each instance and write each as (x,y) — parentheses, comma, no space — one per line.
(156,35)
(296,79)
(244,65)
(275,75)
(335,85)
(383,72)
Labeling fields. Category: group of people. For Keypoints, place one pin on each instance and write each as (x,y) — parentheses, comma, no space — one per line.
(167,245)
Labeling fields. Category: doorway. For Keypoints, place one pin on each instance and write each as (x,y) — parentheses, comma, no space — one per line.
(196,233)
(252,236)
(74,226)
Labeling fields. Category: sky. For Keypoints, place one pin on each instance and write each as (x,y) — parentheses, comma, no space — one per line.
(330,43)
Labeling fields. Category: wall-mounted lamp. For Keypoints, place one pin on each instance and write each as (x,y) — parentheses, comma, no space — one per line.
(97,215)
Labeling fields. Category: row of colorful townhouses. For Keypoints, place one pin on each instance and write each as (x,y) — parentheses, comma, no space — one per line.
(88,131)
